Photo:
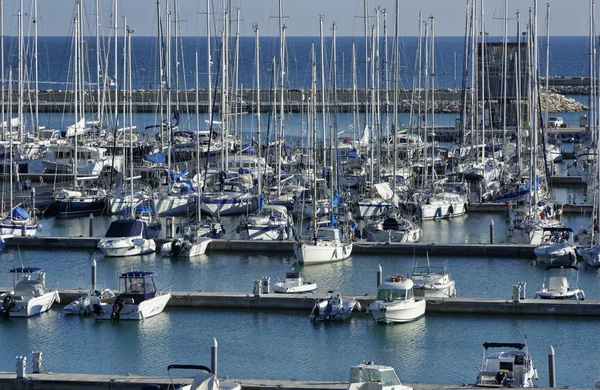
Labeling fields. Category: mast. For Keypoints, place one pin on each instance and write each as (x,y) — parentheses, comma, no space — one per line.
(258,149)
(547,65)
(282,28)
(98,97)
(130,95)
(2,67)
(354,93)
(334,170)
(314,141)
(116,65)
(76,93)
(198,201)
(35,59)
(505,75)
(483,59)
(20,73)
(323,124)
(396,80)
(432,49)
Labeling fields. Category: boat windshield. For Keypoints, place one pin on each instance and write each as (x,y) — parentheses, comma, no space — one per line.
(386,377)
(394,293)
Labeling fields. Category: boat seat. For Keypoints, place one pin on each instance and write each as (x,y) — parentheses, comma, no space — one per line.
(558,283)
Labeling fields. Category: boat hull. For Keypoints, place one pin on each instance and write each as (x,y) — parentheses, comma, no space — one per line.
(144,310)
(397,311)
(32,306)
(126,246)
(322,252)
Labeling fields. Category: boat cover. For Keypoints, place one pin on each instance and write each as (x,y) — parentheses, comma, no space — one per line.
(127,228)
(20,213)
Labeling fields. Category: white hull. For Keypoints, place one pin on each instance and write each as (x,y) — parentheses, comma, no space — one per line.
(435,290)
(15,228)
(32,306)
(188,249)
(146,309)
(397,310)
(437,210)
(411,235)
(171,205)
(304,289)
(269,233)
(553,254)
(126,246)
(322,252)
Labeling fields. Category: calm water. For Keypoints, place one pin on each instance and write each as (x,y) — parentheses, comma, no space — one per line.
(434,349)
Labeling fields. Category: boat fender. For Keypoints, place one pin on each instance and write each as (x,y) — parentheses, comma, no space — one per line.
(237,229)
(451,209)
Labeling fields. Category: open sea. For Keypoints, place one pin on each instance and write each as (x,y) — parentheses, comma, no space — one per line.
(439,349)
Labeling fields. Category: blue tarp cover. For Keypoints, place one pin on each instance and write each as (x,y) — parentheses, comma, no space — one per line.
(18,212)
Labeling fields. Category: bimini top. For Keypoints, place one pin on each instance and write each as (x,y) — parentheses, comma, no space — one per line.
(136,274)
(24,270)
(504,345)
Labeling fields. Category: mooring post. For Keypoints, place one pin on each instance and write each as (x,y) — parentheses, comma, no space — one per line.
(551,370)
(91,225)
(94,275)
(213,357)
(379,276)
(492,232)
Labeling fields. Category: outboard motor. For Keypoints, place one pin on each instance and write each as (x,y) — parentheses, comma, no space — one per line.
(176,247)
(7,304)
(117,307)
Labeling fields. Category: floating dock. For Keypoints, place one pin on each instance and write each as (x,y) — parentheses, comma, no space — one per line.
(287,247)
(305,303)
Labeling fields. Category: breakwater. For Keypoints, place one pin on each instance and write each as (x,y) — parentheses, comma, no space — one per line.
(296,100)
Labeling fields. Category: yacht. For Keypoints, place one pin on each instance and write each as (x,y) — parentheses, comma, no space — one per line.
(271,222)
(29,295)
(557,286)
(325,245)
(507,368)
(370,376)
(19,223)
(396,302)
(294,284)
(138,299)
(556,247)
(203,380)
(392,228)
(333,308)
(126,237)
(433,281)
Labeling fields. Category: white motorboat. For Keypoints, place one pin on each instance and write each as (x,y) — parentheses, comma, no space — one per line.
(396,302)
(369,376)
(126,237)
(432,282)
(294,284)
(138,299)
(333,308)
(556,247)
(185,247)
(508,368)
(271,222)
(557,286)
(85,304)
(203,380)
(29,295)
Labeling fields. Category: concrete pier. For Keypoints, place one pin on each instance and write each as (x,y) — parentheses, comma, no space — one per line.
(286,247)
(56,381)
(305,302)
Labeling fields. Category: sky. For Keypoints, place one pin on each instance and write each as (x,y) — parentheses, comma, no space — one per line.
(55,17)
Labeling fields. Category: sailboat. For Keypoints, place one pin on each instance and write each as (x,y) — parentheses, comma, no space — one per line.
(324,242)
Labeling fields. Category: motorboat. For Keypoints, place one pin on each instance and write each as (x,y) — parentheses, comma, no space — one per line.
(126,237)
(396,302)
(557,286)
(138,298)
(294,284)
(370,376)
(185,247)
(145,213)
(333,308)
(271,222)
(556,247)
(29,295)
(85,304)
(432,281)
(203,380)
(508,368)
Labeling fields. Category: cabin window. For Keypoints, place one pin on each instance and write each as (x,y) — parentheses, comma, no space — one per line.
(390,294)
(389,378)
